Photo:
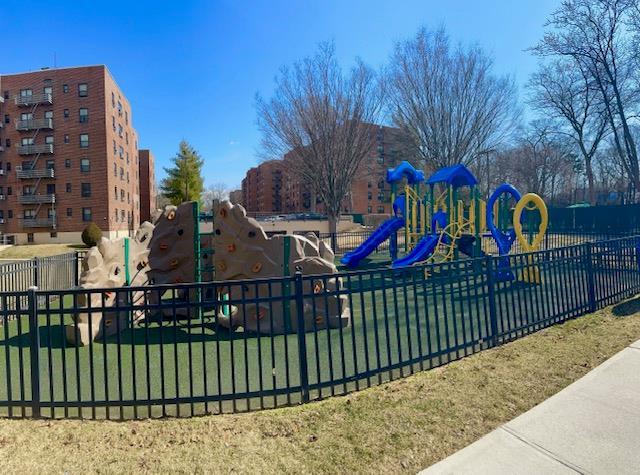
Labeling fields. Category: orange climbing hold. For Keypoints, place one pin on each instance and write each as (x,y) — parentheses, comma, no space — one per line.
(171,215)
(164,247)
(319,320)
(231,248)
(257,267)
(317,287)
(222,266)
(223,213)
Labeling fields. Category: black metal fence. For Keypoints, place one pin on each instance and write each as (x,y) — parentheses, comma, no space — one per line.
(182,361)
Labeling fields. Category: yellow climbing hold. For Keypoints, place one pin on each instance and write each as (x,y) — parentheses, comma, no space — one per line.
(257,267)
(174,263)
(171,215)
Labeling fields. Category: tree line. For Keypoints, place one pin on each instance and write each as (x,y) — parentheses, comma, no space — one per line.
(451,107)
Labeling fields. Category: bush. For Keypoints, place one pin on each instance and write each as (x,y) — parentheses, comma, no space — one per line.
(91,235)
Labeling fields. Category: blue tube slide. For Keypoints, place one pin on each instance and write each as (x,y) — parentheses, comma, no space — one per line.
(422,250)
(384,231)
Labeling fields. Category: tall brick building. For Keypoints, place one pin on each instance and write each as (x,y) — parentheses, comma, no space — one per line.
(148,191)
(68,155)
(272,188)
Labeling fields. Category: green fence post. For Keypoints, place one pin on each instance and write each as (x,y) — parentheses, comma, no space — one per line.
(591,284)
(34,350)
(302,337)
(491,295)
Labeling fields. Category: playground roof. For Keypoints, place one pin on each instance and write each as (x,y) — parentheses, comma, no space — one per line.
(405,170)
(455,175)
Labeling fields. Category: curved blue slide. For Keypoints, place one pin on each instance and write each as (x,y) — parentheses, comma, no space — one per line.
(422,250)
(386,229)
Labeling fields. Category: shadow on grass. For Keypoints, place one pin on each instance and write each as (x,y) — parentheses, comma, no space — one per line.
(626,309)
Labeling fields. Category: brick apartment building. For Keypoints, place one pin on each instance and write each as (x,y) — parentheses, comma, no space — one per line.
(68,156)
(270,188)
(148,191)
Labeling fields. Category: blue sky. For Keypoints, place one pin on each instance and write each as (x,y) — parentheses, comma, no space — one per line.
(191,69)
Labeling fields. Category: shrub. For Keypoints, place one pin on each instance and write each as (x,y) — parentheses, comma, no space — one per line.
(91,235)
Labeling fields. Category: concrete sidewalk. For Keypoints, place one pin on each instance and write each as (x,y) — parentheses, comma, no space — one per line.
(592,426)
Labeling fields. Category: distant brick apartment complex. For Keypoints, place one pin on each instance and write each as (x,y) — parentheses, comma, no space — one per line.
(148,191)
(69,156)
(271,188)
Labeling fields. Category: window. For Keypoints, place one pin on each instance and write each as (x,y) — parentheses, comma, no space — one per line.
(121,173)
(127,177)
(85,190)
(69,212)
(117,215)
(128,197)
(8,166)
(122,215)
(113,100)
(66,113)
(26,141)
(65,88)
(126,138)
(85,165)
(53,234)
(120,130)
(7,143)
(121,151)
(115,148)
(115,170)
(51,188)
(7,119)
(9,189)
(10,214)
(127,155)
(115,191)
(83,89)
(67,163)
(369,195)
(29,214)
(6,95)
(113,123)
(86,214)
(48,139)
(66,138)
(50,164)
(83,114)
(68,188)
(48,115)
(25,93)
(121,194)
(84,140)
(47,90)
(29,237)
(119,108)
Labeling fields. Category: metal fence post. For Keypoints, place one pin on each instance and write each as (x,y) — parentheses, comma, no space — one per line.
(76,269)
(35,271)
(491,295)
(302,338)
(591,284)
(34,350)
(334,242)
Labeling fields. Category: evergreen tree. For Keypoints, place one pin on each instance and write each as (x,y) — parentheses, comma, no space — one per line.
(184,180)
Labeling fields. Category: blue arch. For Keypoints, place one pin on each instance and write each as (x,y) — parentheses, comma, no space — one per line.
(455,175)
(405,170)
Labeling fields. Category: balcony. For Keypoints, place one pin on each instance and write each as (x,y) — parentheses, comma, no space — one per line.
(39,222)
(35,149)
(35,199)
(34,124)
(35,173)
(33,99)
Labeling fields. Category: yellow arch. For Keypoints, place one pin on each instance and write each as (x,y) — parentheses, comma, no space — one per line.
(531,201)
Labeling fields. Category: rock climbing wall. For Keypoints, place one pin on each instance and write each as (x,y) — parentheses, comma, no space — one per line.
(104,267)
(243,251)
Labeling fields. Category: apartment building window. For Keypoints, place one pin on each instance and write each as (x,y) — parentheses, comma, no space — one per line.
(113,122)
(83,90)
(47,90)
(115,170)
(66,138)
(6,95)
(120,130)
(27,190)
(85,190)
(85,165)
(7,119)
(83,115)
(69,212)
(380,209)
(53,234)
(115,148)
(48,115)
(84,140)
(65,113)
(68,188)
(122,195)
(7,144)
(30,238)
(26,141)
(115,192)
(122,215)
(127,155)
(29,214)
(121,151)
(86,214)
(120,108)
(25,93)
(9,189)
(67,163)
(128,198)
(116,213)
(50,164)
(122,173)
(10,214)
(65,88)
(127,177)
(48,139)
(369,195)
(113,100)
(51,188)
(126,138)
(26,116)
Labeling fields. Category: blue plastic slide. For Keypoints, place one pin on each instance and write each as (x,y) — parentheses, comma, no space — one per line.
(422,250)
(386,230)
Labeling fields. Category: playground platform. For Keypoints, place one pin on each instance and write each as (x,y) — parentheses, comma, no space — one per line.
(592,426)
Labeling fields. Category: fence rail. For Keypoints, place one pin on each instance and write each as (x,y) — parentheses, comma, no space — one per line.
(401,321)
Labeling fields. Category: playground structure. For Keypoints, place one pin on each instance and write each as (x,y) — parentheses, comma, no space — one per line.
(444,216)
(174,250)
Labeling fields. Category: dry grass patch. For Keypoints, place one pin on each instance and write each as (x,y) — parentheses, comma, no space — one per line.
(28,251)
(402,426)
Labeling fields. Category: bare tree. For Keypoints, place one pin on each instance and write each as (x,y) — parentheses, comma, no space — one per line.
(215,192)
(593,33)
(562,90)
(322,116)
(447,101)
